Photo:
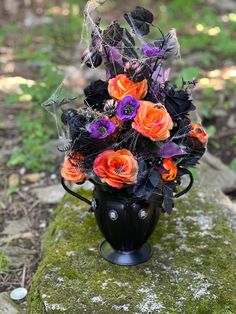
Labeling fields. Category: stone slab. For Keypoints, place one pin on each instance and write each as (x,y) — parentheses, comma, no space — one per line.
(192,269)
(7,306)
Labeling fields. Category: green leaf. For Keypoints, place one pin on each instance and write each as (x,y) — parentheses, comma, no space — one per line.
(233,140)
(12,99)
(11,27)
(11,191)
(3,262)
(195,173)
(215,144)
(2,36)
(207,108)
(188,74)
(211,131)
(26,89)
(17,158)
(233,164)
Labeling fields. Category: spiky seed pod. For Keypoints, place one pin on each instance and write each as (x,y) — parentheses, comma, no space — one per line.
(91,58)
(136,70)
(109,105)
(75,121)
(67,115)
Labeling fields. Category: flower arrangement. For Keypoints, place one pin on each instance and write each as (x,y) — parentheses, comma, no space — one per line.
(134,131)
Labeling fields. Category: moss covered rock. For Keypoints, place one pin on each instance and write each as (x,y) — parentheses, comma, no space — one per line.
(192,269)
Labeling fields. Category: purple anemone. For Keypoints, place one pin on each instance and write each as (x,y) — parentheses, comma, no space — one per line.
(151,51)
(101,128)
(127,108)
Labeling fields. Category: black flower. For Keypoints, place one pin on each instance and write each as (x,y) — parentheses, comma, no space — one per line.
(178,102)
(96,94)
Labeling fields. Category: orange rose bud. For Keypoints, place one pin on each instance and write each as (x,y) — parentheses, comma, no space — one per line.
(153,121)
(116,121)
(120,86)
(198,132)
(116,168)
(118,124)
(169,165)
(72,169)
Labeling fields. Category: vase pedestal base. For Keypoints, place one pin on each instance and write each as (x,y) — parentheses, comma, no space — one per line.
(125,258)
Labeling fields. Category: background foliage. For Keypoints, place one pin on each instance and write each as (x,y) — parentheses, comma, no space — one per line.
(207,34)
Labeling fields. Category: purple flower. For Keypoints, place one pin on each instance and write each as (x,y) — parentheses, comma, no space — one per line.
(127,108)
(151,51)
(101,128)
(171,149)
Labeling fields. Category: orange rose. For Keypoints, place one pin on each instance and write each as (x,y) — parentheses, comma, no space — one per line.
(116,168)
(171,169)
(153,121)
(72,169)
(120,86)
(198,132)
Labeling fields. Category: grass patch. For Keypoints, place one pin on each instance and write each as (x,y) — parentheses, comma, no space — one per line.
(37,126)
(3,262)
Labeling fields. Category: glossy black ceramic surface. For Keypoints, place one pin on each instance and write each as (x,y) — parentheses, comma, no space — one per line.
(125,258)
(126,224)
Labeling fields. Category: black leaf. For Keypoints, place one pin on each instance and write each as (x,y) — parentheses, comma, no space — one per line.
(129,45)
(129,51)
(92,58)
(140,20)
(195,150)
(129,37)
(89,147)
(147,184)
(168,198)
(113,68)
(156,198)
(114,55)
(113,34)
(192,159)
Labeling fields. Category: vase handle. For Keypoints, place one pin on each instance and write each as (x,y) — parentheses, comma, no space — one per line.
(189,173)
(74,193)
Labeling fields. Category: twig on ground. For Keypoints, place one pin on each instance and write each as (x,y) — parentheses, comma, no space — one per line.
(23,276)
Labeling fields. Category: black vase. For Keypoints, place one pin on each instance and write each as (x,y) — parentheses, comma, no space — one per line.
(126,224)
(126,221)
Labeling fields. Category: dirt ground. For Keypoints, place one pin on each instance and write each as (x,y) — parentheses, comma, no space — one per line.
(23,217)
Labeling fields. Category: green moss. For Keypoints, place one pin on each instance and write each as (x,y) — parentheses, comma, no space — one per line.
(191,270)
(3,262)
